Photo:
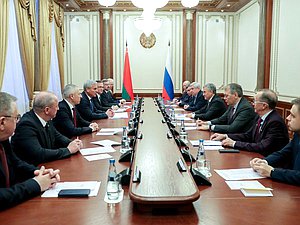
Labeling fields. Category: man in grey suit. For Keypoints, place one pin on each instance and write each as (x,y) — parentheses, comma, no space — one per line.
(238,117)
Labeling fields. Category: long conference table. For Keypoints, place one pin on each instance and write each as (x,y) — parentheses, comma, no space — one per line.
(216,204)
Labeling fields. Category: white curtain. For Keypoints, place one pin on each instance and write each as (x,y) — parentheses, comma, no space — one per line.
(54,80)
(13,81)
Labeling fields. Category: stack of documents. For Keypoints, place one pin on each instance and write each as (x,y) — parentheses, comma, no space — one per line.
(251,188)
(235,180)
(98,153)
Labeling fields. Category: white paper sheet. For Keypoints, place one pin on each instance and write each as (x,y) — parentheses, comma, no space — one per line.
(97,157)
(109,131)
(190,128)
(96,150)
(239,174)
(120,110)
(105,130)
(182,117)
(211,147)
(106,143)
(106,134)
(237,185)
(207,143)
(92,185)
(121,115)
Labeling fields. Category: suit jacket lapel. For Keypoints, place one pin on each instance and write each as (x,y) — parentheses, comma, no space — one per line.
(41,129)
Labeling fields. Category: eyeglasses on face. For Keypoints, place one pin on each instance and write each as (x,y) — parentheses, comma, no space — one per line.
(257,102)
(17,118)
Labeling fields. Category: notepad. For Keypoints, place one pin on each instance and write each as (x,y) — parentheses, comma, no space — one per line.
(257,192)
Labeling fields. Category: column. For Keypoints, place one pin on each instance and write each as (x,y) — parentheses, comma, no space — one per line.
(106,43)
(189,46)
(261,45)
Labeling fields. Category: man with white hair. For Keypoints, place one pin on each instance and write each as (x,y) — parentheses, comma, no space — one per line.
(86,107)
(68,120)
(198,100)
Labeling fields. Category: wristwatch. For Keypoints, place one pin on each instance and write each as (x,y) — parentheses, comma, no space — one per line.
(272,170)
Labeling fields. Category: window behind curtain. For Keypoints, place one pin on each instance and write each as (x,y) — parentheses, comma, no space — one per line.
(14,81)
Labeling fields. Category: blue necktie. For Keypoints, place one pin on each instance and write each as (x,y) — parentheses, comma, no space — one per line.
(91,105)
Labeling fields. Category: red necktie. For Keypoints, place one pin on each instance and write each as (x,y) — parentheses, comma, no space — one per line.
(74,117)
(4,165)
(257,128)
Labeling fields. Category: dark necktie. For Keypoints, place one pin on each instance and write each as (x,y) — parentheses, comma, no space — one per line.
(257,129)
(91,105)
(48,136)
(74,117)
(4,165)
(231,113)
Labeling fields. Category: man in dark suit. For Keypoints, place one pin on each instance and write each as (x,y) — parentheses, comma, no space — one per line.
(97,100)
(86,107)
(107,98)
(184,96)
(36,140)
(68,120)
(284,165)
(268,133)
(238,117)
(188,99)
(19,181)
(198,102)
(214,108)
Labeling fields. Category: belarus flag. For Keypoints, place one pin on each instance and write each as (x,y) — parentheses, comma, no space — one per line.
(168,89)
(127,92)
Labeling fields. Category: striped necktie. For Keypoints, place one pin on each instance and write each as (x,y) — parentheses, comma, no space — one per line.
(4,165)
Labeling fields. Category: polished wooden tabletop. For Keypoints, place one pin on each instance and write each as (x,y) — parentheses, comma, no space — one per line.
(156,157)
(217,204)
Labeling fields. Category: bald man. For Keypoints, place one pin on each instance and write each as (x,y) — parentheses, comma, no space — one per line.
(36,140)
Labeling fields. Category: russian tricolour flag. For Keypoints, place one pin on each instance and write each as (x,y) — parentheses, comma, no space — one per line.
(168,89)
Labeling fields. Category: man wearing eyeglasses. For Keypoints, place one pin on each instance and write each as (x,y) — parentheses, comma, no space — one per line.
(238,116)
(268,133)
(284,165)
(19,181)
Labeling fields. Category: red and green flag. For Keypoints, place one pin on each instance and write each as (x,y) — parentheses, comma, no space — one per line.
(127,91)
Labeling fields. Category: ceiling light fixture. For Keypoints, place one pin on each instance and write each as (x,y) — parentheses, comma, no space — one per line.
(189,3)
(107,3)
